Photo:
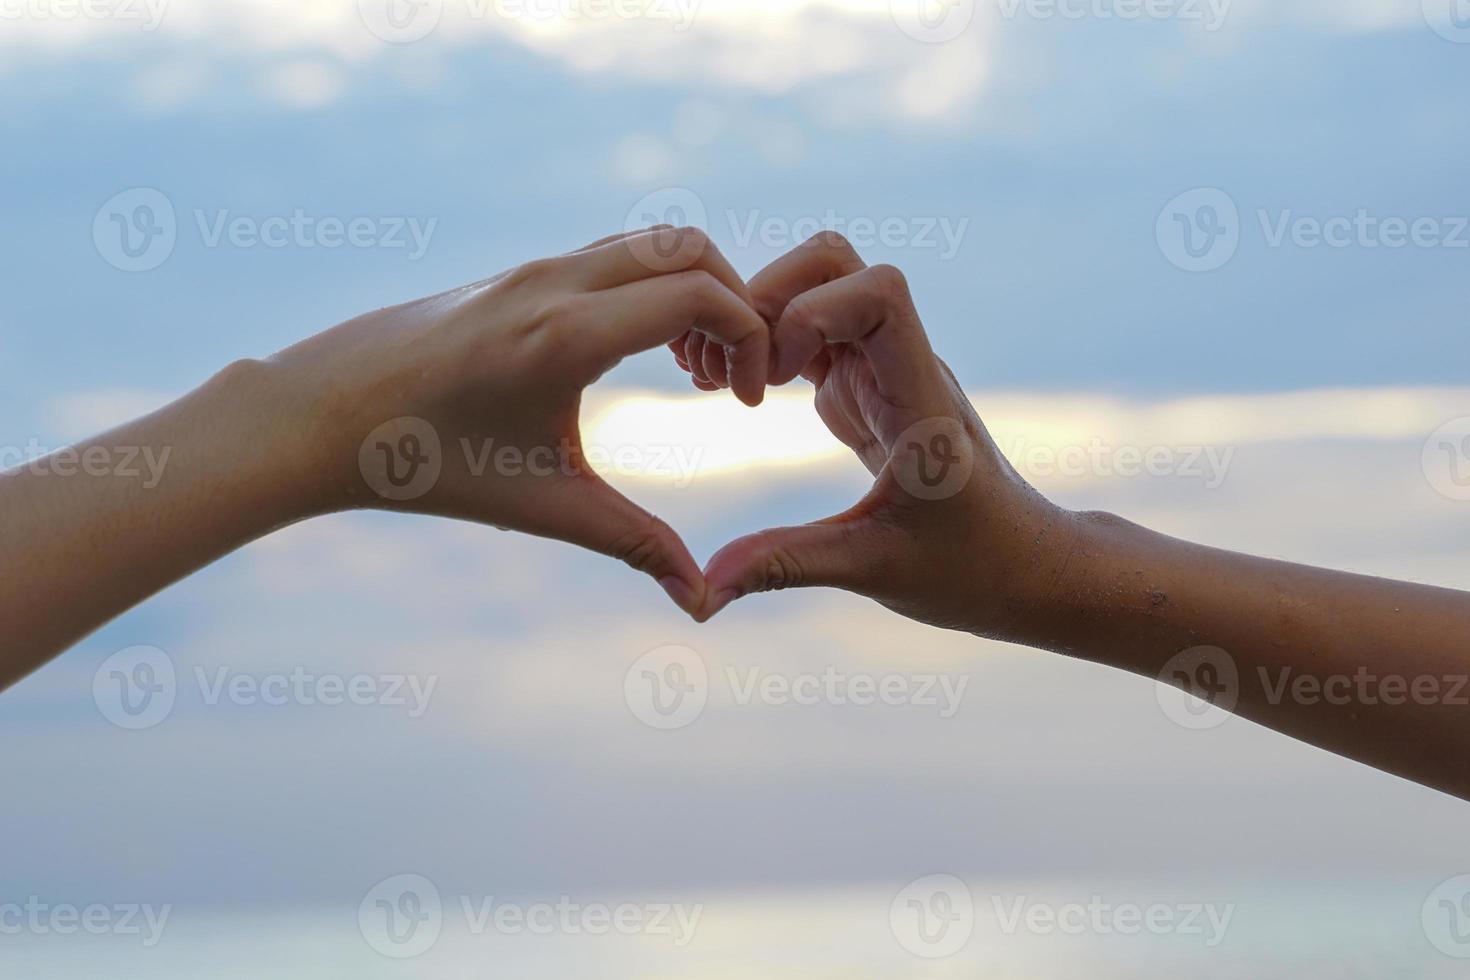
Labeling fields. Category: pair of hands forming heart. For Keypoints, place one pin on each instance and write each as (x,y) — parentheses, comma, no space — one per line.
(949,533)
(466,405)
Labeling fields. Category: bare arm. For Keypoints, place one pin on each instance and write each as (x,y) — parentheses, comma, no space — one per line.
(952,536)
(410,408)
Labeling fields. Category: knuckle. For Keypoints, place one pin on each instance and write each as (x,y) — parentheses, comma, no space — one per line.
(699,285)
(780,570)
(535,271)
(803,314)
(691,242)
(559,316)
(832,241)
(890,285)
(642,548)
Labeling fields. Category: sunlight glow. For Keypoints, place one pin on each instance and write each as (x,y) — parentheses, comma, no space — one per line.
(678,437)
(668,436)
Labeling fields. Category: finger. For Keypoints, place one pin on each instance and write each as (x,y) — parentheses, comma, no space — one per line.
(603,520)
(871,308)
(840,552)
(651,312)
(820,259)
(694,343)
(654,253)
(619,237)
(716,364)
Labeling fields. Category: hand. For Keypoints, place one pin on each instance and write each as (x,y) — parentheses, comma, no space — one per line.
(949,534)
(466,404)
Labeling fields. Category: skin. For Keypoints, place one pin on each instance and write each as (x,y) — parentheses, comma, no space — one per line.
(995,558)
(267,443)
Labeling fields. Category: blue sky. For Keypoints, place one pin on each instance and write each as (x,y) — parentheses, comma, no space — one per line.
(1051,147)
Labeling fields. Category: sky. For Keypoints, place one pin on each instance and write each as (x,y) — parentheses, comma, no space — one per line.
(1227,238)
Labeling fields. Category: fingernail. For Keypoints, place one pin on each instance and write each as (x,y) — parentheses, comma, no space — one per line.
(685,596)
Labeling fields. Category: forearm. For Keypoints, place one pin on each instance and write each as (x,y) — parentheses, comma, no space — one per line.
(85,537)
(1369,668)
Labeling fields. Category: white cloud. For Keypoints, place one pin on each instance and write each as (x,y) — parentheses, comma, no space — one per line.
(756,45)
(87,413)
(305,84)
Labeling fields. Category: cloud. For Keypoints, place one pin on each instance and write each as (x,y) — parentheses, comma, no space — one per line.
(87,413)
(762,46)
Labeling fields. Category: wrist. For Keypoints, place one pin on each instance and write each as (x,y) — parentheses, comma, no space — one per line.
(269,436)
(1079,589)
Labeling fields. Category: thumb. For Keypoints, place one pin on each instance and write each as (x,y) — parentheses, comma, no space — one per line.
(604,521)
(841,552)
